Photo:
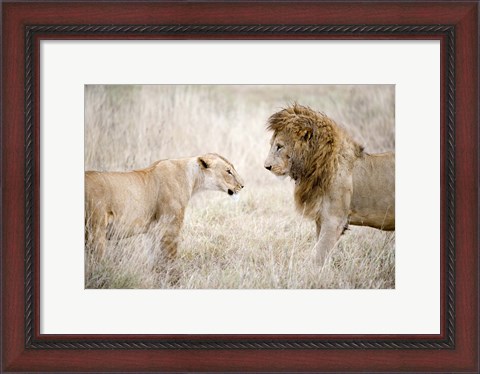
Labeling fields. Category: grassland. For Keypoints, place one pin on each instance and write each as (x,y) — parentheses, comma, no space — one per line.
(259,241)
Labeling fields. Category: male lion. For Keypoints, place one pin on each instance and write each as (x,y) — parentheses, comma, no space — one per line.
(130,203)
(336,182)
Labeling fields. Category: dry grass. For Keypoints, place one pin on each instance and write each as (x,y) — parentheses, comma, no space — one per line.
(259,241)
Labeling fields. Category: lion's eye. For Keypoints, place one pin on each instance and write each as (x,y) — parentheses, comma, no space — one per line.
(229,171)
(279,147)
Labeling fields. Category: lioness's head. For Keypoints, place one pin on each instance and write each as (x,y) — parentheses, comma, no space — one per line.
(219,174)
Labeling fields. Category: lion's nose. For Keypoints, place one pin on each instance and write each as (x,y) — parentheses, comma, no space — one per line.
(269,167)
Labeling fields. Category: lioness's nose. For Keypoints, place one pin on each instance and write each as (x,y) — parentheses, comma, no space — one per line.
(269,167)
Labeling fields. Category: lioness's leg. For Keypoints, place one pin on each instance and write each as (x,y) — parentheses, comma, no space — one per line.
(97,236)
(170,244)
(167,231)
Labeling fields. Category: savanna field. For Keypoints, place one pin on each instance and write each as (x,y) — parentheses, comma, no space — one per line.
(259,241)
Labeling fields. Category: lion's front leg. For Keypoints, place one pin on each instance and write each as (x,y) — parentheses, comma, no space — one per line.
(318,223)
(331,223)
(327,239)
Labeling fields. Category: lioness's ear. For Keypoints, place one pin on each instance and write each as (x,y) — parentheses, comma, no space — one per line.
(203,163)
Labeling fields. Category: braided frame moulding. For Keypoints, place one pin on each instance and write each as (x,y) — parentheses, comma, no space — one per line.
(258,30)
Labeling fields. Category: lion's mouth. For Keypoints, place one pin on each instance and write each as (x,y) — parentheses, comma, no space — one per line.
(279,173)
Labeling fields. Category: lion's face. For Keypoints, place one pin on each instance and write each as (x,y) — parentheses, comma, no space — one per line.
(279,158)
(219,174)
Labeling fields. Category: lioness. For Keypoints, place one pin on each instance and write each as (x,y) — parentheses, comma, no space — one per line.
(129,203)
(336,182)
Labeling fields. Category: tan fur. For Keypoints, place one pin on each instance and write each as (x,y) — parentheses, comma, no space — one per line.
(154,198)
(336,182)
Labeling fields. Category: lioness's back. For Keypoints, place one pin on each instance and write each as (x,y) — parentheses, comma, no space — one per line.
(118,195)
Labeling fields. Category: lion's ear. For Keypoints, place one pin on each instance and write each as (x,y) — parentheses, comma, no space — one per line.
(203,163)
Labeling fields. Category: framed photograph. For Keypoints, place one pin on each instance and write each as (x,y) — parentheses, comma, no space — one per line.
(204,160)
(266,186)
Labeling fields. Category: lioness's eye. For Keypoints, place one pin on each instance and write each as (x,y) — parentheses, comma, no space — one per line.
(279,147)
(229,171)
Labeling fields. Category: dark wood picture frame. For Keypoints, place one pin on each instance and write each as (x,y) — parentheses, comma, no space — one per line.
(455,24)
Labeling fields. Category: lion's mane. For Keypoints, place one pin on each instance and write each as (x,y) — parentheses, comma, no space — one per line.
(320,149)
